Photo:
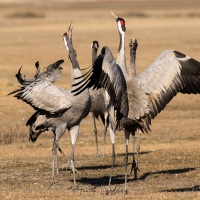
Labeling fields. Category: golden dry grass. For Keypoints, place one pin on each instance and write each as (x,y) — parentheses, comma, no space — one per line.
(169,159)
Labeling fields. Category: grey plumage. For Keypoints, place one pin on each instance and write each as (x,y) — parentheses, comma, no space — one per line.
(131,124)
(132,71)
(51,73)
(98,107)
(107,74)
(170,73)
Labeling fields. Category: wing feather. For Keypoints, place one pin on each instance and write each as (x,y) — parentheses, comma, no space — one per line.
(170,73)
(43,95)
(107,74)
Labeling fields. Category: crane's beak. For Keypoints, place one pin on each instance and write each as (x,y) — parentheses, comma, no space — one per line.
(70,26)
(115,16)
(69,31)
(68,34)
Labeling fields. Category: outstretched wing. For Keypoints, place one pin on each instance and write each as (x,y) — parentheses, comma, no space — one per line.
(107,74)
(170,73)
(43,95)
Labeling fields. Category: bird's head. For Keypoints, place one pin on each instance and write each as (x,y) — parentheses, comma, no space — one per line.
(120,23)
(133,44)
(53,72)
(54,66)
(67,36)
(57,64)
(95,45)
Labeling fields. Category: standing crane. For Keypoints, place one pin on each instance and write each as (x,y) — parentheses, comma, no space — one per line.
(121,61)
(98,107)
(155,99)
(133,44)
(148,93)
(58,109)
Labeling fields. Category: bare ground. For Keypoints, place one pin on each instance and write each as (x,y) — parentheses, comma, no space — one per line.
(169,160)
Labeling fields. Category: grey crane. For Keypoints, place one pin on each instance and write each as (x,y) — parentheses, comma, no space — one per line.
(121,61)
(51,73)
(98,107)
(148,93)
(133,44)
(58,109)
(167,88)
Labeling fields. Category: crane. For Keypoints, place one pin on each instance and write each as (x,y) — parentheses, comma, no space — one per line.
(98,107)
(133,44)
(153,102)
(51,73)
(58,109)
(121,61)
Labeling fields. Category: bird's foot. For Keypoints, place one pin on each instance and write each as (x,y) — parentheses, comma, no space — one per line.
(68,166)
(126,190)
(53,184)
(98,155)
(109,190)
(74,188)
(134,169)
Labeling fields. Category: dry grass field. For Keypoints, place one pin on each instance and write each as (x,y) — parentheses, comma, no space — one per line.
(170,155)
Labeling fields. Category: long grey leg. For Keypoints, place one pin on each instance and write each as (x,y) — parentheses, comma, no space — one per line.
(54,157)
(127,135)
(138,149)
(134,165)
(112,137)
(105,131)
(96,138)
(74,131)
(112,166)
(61,151)
(73,168)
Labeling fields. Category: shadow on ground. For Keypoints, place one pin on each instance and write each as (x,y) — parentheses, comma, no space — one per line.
(170,171)
(98,167)
(140,153)
(103,181)
(195,188)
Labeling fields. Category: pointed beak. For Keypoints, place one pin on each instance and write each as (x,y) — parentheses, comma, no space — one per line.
(115,16)
(69,31)
(70,27)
